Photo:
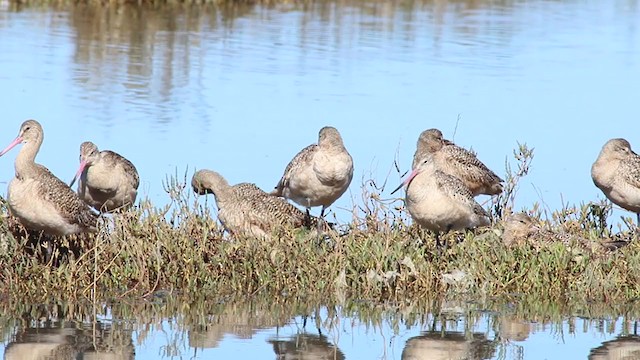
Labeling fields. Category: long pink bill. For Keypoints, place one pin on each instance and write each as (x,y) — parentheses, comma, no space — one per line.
(406,181)
(15,142)
(83,164)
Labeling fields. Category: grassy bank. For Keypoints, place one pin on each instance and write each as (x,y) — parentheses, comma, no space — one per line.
(180,248)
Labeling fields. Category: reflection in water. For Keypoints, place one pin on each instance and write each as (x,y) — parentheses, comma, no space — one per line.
(177,327)
(71,341)
(198,71)
(448,346)
(306,347)
(240,321)
(222,76)
(514,329)
(623,347)
(160,59)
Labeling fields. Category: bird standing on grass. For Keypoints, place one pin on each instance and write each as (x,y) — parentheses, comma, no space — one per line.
(106,180)
(616,172)
(40,200)
(441,202)
(319,174)
(457,161)
(245,210)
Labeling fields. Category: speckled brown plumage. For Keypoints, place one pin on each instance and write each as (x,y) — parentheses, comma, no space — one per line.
(457,161)
(304,156)
(247,210)
(520,228)
(319,174)
(440,202)
(616,172)
(107,180)
(40,200)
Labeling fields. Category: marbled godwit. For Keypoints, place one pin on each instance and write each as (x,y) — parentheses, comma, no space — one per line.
(517,227)
(457,161)
(520,228)
(106,180)
(429,142)
(37,198)
(616,172)
(441,202)
(244,209)
(319,174)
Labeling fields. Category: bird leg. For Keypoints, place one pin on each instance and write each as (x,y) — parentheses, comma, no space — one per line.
(444,242)
(438,240)
(321,221)
(307,218)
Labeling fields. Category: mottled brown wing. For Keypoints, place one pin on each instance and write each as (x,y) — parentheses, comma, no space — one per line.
(467,162)
(70,206)
(247,190)
(630,169)
(455,188)
(127,165)
(270,209)
(452,186)
(301,158)
(446,142)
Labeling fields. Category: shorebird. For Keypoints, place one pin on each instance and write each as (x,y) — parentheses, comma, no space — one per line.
(457,161)
(429,142)
(319,174)
(440,202)
(616,172)
(39,200)
(106,180)
(245,210)
(520,228)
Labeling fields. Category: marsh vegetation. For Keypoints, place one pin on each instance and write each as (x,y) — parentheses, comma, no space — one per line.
(180,247)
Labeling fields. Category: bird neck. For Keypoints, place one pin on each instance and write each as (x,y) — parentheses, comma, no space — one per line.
(25,165)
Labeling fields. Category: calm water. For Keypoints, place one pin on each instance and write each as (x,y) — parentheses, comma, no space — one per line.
(251,331)
(240,89)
